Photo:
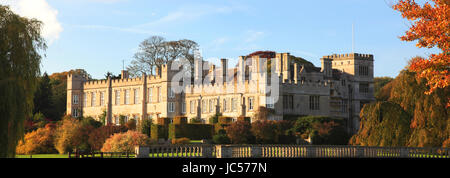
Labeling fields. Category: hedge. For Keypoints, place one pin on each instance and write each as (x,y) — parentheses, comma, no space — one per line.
(191,131)
(225,120)
(180,120)
(163,121)
(159,131)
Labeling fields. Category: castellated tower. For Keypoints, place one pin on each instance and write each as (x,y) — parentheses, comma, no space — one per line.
(74,94)
(360,85)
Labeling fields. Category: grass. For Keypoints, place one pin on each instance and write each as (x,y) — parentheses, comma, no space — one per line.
(44,156)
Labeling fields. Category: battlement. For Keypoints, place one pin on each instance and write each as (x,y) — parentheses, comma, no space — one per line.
(127,80)
(95,82)
(349,55)
(306,83)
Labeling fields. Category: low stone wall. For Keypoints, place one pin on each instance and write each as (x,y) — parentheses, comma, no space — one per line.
(286,151)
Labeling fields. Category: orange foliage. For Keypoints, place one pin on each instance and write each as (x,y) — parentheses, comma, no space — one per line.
(431,27)
(38,142)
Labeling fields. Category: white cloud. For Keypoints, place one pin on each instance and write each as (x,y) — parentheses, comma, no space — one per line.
(253,36)
(40,10)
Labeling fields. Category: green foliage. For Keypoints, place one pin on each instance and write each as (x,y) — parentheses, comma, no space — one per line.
(145,126)
(195,120)
(43,102)
(329,133)
(322,130)
(192,131)
(221,139)
(102,117)
(89,121)
(39,120)
(429,118)
(20,47)
(122,120)
(383,124)
(159,132)
(215,119)
(379,83)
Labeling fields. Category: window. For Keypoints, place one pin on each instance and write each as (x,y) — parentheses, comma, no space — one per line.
(314,102)
(75,113)
(343,82)
(288,102)
(127,96)
(102,98)
(225,108)
(93,99)
(84,99)
(344,106)
(233,104)
(159,94)
(171,93)
(250,103)
(136,96)
(363,88)
(211,106)
(183,107)
(192,106)
(171,106)
(117,97)
(116,120)
(363,70)
(204,108)
(75,99)
(150,94)
(269,102)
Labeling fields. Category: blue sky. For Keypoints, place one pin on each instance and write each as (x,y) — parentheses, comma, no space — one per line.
(96,35)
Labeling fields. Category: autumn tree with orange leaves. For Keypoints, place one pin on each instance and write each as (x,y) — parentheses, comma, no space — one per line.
(431,27)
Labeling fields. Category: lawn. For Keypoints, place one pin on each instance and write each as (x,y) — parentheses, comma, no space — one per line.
(43,156)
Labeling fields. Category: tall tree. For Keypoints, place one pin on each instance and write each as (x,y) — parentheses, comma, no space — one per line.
(43,97)
(20,47)
(156,51)
(431,27)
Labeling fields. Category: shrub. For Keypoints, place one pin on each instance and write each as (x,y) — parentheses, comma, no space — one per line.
(39,141)
(192,131)
(181,140)
(383,124)
(145,126)
(91,121)
(65,134)
(180,120)
(221,139)
(265,131)
(98,136)
(215,119)
(125,142)
(329,133)
(159,132)
(131,124)
(122,119)
(240,133)
(195,120)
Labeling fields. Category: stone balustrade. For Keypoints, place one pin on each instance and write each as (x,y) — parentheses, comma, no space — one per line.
(286,151)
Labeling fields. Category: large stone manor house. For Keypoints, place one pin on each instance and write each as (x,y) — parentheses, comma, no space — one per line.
(339,88)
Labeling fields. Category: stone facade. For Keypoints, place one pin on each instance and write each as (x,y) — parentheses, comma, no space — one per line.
(338,89)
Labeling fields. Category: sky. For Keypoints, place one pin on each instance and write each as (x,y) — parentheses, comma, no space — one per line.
(98,35)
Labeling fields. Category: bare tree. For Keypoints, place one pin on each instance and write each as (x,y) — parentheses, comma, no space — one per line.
(155,52)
